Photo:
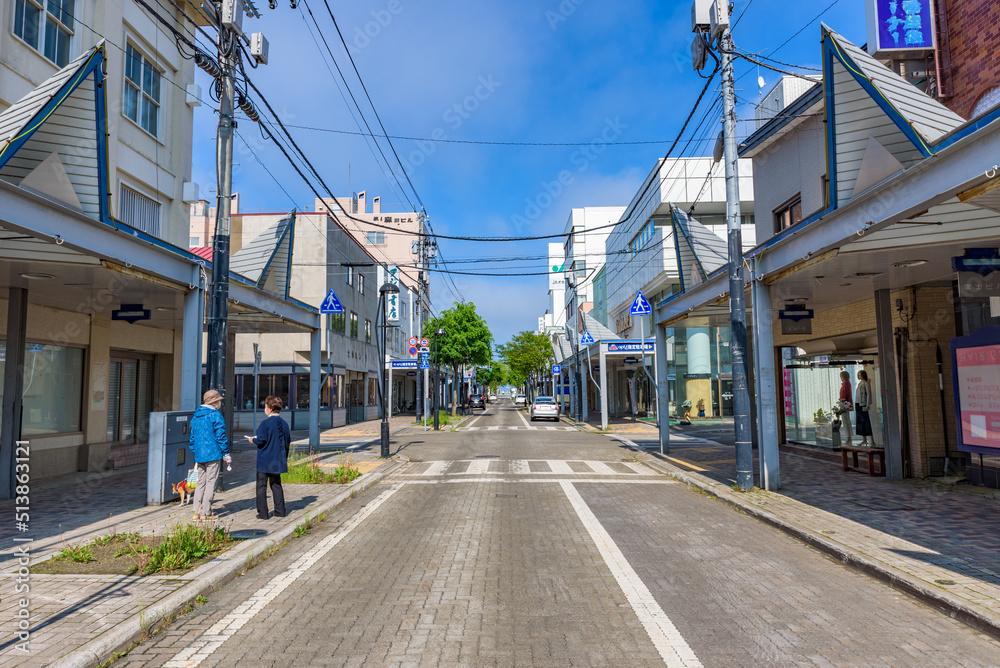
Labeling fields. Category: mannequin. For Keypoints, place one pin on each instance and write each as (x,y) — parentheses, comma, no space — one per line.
(863,404)
(845,402)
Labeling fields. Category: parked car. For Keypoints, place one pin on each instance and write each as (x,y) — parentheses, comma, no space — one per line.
(476,401)
(544,407)
(493,398)
(520,400)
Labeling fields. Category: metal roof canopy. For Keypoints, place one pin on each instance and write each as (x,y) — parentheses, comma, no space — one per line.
(895,221)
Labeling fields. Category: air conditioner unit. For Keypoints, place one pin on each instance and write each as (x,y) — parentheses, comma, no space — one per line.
(258,47)
(232,15)
(189,192)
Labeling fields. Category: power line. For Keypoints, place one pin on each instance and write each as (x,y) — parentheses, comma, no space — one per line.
(482,142)
(377,117)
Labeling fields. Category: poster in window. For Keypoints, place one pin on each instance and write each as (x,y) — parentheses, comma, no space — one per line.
(976,378)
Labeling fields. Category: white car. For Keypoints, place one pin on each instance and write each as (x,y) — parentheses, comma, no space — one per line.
(544,407)
(520,400)
(493,397)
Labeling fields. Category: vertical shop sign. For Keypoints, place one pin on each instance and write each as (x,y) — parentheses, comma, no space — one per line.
(789,393)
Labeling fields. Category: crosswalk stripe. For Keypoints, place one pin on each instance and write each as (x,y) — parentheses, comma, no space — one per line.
(493,428)
(602,468)
(478,467)
(559,466)
(638,468)
(520,466)
(436,468)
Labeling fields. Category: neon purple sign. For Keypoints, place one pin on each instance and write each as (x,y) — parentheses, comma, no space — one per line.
(904,24)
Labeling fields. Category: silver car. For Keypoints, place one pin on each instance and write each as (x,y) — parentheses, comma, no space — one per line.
(544,407)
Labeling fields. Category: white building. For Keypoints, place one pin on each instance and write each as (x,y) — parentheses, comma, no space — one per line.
(587,230)
(149,94)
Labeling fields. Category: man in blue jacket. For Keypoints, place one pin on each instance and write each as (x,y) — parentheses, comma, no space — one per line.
(273,441)
(210,446)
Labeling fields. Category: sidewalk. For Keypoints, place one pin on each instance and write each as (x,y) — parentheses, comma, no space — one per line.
(938,542)
(68,611)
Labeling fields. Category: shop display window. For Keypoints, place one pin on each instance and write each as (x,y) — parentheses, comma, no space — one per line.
(53,389)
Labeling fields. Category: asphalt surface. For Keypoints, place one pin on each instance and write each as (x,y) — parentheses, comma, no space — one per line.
(503,544)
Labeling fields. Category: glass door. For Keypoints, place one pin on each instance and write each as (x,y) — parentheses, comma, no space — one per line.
(130,398)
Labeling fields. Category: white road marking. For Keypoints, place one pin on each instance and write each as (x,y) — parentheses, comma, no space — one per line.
(472,428)
(226,628)
(524,420)
(493,428)
(474,421)
(602,468)
(559,466)
(668,641)
(478,467)
(436,468)
(493,478)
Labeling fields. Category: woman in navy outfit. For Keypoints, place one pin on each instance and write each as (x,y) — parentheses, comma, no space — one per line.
(273,441)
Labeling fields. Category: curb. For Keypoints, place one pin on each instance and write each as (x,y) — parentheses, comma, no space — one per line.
(101,648)
(954,606)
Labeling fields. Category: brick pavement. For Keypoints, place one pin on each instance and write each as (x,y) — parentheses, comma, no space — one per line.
(947,537)
(69,610)
(475,565)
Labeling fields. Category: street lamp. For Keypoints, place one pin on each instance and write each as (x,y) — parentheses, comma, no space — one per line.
(386,289)
(437,379)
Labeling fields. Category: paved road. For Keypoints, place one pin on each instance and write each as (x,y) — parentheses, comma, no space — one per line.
(552,548)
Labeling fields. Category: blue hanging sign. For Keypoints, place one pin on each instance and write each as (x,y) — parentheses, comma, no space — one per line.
(641,305)
(982,261)
(556,369)
(796,312)
(130,313)
(404,364)
(331,304)
(586,339)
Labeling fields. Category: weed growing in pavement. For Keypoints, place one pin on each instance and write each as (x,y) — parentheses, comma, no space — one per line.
(304,469)
(200,600)
(80,554)
(184,544)
(345,471)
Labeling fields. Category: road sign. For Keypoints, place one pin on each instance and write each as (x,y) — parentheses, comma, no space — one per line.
(424,355)
(424,343)
(413,350)
(640,306)
(424,349)
(586,339)
(331,304)
(413,341)
(556,369)
(424,364)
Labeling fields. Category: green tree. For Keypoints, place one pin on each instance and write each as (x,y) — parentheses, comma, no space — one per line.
(528,355)
(467,340)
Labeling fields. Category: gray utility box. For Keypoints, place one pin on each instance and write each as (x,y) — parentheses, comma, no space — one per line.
(169,457)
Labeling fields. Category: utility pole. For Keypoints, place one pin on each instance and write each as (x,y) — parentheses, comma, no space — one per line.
(419,408)
(710,22)
(218,309)
(737,300)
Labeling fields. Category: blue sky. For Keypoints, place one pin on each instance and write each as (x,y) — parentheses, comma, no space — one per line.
(518,71)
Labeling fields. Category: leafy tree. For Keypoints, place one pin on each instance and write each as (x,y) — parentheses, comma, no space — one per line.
(528,354)
(467,340)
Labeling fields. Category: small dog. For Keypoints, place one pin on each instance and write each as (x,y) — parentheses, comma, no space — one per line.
(184,488)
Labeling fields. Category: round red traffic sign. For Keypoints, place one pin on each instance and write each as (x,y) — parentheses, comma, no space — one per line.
(413,350)
(413,341)
(424,343)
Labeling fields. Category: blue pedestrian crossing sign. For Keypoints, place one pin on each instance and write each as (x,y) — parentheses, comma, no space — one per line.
(640,306)
(586,339)
(425,364)
(331,304)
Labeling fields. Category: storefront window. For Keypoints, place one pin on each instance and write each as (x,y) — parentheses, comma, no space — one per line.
(338,392)
(268,385)
(371,392)
(302,391)
(810,393)
(53,389)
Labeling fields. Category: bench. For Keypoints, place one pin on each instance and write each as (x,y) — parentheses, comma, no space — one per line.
(875,456)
